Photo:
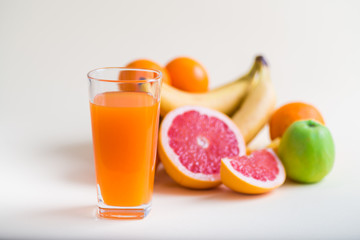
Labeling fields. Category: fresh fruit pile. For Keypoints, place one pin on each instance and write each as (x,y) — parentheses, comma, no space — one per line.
(204,133)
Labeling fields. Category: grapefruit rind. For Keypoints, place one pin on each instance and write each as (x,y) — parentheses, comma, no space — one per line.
(243,184)
(170,159)
(184,177)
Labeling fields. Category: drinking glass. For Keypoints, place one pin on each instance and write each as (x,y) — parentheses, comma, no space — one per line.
(124,106)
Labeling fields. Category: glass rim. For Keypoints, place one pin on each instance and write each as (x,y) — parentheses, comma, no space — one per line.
(155,79)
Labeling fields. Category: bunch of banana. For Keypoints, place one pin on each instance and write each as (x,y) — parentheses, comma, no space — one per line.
(250,99)
(225,99)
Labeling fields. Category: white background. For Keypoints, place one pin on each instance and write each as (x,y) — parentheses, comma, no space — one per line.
(47,173)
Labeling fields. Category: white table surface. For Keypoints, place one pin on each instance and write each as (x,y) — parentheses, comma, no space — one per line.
(47,171)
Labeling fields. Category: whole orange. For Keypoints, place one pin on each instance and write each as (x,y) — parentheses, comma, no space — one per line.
(284,116)
(147,64)
(188,75)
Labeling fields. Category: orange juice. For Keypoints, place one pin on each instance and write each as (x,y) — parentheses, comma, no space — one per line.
(125,127)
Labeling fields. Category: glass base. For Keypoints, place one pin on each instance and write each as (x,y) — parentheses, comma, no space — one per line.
(140,212)
(117,212)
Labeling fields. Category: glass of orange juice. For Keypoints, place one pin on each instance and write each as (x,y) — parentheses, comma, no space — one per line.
(124,106)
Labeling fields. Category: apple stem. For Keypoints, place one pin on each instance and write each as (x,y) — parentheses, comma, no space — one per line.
(312,124)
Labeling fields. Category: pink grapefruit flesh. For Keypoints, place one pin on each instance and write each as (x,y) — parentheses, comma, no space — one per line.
(192,142)
(260,172)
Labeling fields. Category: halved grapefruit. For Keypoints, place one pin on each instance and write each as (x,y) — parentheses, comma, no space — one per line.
(260,172)
(192,142)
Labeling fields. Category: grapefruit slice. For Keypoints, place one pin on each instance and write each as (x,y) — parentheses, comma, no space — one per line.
(192,142)
(260,172)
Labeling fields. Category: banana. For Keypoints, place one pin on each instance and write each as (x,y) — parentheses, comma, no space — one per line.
(274,145)
(258,105)
(225,99)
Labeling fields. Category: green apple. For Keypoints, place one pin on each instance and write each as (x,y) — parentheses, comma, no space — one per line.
(307,151)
